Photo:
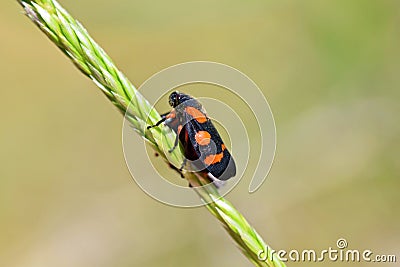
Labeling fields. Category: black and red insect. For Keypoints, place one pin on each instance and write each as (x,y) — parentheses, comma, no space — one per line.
(200,140)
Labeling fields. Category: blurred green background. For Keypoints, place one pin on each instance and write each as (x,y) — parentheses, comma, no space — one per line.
(329,70)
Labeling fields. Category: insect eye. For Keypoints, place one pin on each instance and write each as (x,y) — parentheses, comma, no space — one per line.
(173,99)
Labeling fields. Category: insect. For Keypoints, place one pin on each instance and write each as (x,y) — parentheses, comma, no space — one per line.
(201,142)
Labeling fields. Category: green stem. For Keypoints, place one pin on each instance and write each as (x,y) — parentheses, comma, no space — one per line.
(72,38)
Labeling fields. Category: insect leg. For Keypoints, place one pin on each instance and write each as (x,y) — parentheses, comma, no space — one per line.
(183,164)
(175,144)
(176,139)
(176,169)
(163,118)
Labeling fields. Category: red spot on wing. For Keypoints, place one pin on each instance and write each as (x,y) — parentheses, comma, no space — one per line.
(186,136)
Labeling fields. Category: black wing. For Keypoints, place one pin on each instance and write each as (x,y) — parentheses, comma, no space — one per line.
(214,156)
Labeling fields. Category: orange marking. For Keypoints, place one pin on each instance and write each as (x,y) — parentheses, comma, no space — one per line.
(223,147)
(212,159)
(171,115)
(179,129)
(196,114)
(203,138)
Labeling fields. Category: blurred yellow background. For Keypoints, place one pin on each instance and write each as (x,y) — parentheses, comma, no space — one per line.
(329,70)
